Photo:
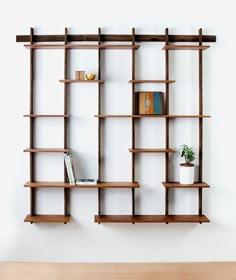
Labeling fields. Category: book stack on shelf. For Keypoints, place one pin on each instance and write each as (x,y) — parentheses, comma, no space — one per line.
(86,181)
(71,173)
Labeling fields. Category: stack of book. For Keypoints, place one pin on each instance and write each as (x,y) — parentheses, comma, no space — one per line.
(71,173)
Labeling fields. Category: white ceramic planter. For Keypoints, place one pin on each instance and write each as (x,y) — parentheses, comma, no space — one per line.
(186,175)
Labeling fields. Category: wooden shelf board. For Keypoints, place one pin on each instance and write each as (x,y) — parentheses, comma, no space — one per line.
(117,185)
(151,219)
(153,116)
(46,116)
(46,150)
(43,184)
(47,219)
(178,185)
(184,47)
(151,150)
(67,185)
(115,38)
(82,46)
(81,81)
(151,81)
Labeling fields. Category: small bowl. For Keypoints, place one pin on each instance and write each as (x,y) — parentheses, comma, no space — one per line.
(90,76)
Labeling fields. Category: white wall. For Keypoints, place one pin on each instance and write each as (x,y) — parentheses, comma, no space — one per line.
(82,240)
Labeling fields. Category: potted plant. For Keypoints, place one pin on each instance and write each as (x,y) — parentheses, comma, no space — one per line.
(187,168)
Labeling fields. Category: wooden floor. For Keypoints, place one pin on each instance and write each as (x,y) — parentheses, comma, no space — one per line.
(118,271)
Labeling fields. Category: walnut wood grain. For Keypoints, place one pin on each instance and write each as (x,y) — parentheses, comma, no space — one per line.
(43,184)
(46,116)
(151,150)
(152,81)
(46,150)
(151,219)
(81,81)
(178,185)
(81,46)
(47,219)
(184,47)
(152,116)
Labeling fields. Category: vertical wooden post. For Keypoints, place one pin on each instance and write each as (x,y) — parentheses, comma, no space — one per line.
(66,190)
(99,122)
(200,121)
(32,127)
(167,123)
(133,121)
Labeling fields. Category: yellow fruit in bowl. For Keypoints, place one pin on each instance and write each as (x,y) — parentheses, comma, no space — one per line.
(90,76)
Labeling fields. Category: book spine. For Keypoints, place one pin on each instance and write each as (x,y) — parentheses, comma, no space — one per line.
(158,108)
(72,168)
(69,170)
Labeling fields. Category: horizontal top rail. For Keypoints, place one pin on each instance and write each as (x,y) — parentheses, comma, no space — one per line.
(82,46)
(114,38)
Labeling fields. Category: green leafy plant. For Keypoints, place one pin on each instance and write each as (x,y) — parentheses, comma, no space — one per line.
(188,154)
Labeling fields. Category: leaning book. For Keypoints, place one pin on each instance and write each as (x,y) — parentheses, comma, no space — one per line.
(69,168)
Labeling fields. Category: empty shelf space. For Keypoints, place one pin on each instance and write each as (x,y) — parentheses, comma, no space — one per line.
(81,81)
(152,81)
(151,150)
(178,185)
(153,116)
(47,219)
(82,46)
(67,185)
(184,47)
(151,219)
(46,150)
(46,116)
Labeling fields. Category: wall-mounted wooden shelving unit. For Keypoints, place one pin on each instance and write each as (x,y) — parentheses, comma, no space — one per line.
(99,42)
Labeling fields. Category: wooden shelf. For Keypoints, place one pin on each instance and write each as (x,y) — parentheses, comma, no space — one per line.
(115,38)
(151,219)
(151,150)
(81,46)
(178,185)
(153,116)
(46,116)
(122,185)
(184,47)
(67,42)
(82,81)
(152,81)
(47,219)
(47,150)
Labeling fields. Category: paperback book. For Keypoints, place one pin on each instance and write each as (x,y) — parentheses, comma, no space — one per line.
(70,168)
(86,181)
